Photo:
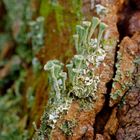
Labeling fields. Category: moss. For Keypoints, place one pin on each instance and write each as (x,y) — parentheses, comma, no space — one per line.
(49,6)
(12,125)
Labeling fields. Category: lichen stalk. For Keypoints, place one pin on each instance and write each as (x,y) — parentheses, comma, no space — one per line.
(82,78)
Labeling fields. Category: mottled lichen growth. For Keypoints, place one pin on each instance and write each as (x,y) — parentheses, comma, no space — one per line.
(123,79)
(68,126)
(58,102)
(37,33)
(90,54)
(101,10)
(82,78)
(57,77)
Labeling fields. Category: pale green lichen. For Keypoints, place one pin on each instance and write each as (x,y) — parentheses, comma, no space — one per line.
(58,102)
(37,33)
(120,77)
(82,79)
(90,55)
(122,102)
(101,10)
(116,94)
(52,113)
(67,127)
(85,104)
(57,77)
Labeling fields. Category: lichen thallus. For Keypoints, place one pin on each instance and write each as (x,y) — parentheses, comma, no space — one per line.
(82,80)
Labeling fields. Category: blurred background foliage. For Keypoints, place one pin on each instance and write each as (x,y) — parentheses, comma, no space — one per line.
(31,33)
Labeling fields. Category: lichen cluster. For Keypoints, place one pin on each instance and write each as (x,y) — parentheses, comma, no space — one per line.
(82,81)
(22,35)
(90,54)
(37,33)
(67,127)
(122,80)
(59,102)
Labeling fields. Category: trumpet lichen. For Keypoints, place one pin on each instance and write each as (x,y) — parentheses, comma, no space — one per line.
(82,79)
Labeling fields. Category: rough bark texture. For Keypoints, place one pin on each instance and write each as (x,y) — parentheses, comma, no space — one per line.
(86,118)
(115,114)
(123,119)
(128,114)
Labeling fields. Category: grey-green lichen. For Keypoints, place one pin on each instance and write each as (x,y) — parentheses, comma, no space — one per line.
(122,77)
(37,33)
(58,102)
(101,10)
(56,76)
(116,94)
(82,79)
(67,127)
(90,54)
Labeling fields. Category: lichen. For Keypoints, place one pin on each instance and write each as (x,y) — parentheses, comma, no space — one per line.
(68,126)
(82,79)
(123,79)
(101,10)
(37,33)
(116,94)
(57,77)
(90,55)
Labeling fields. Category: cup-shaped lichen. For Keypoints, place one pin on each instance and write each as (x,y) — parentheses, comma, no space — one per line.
(102,28)
(94,23)
(56,76)
(82,78)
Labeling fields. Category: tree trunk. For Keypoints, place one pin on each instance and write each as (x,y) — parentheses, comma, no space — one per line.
(98,98)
